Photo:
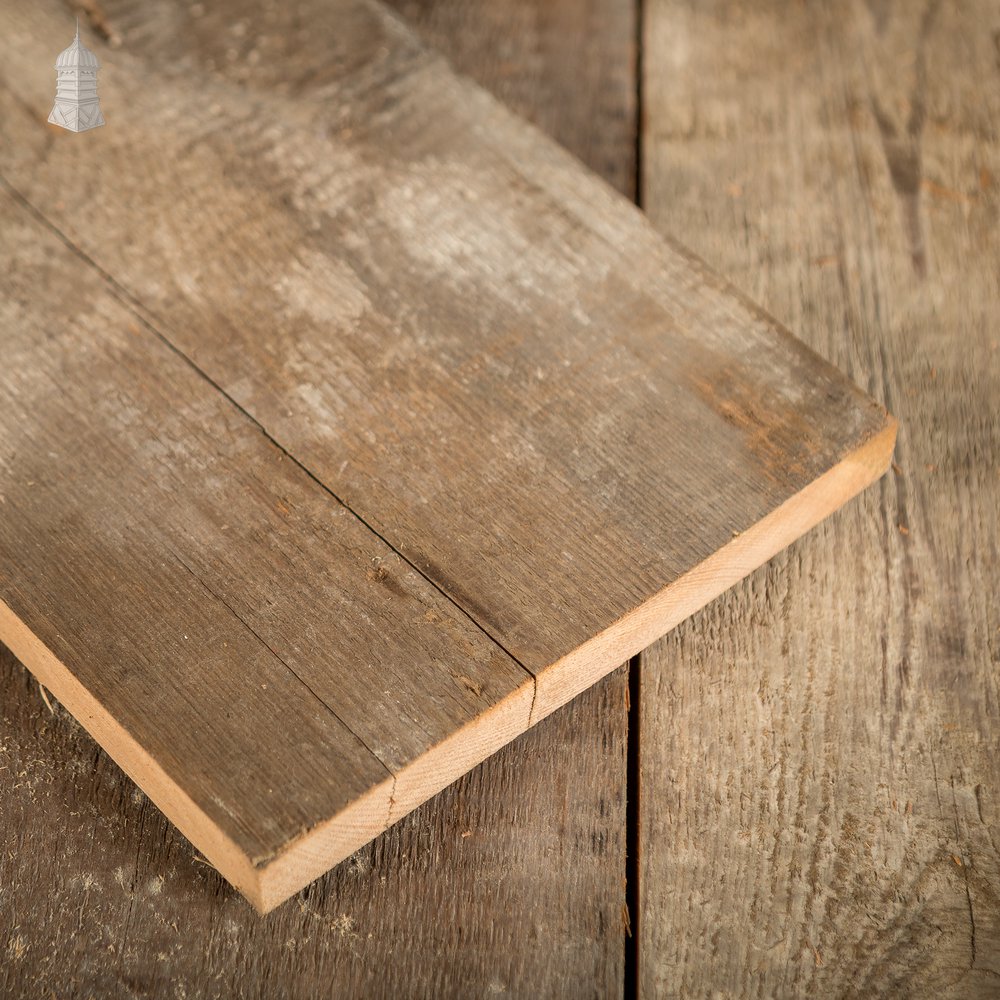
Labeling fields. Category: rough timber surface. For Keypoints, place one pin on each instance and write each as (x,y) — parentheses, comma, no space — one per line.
(379,274)
(508,883)
(820,750)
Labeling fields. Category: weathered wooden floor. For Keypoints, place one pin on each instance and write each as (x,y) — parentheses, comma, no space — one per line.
(816,754)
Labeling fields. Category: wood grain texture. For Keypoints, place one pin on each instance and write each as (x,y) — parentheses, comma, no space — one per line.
(820,750)
(433,363)
(509,883)
(415,299)
(564,66)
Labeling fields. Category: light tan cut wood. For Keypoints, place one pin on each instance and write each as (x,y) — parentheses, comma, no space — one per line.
(417,299)
(820,750)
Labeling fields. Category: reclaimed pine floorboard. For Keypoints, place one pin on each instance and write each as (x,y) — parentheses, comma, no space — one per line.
(359,268)
(820,749)
(508,882)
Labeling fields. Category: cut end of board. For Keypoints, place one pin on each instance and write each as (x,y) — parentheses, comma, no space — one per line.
(319,850)
(315,852)
(267,883)
(745,553)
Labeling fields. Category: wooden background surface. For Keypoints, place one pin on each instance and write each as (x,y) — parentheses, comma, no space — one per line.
(816,754)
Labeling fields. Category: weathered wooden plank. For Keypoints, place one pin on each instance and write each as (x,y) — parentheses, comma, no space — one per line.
(419,298)
(510,881)
(565,66)
(820,749)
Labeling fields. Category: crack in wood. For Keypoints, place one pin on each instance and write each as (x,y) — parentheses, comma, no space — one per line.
(145,318)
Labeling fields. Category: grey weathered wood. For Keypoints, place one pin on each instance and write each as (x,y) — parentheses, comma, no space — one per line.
(564,65)
(821,749)
(418,299)
(434,362)
(510,879)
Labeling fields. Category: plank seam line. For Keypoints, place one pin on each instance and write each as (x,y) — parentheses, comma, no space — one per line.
(134,306)
(281,660)
(631,972)
(534,698)
(638,65)
(633,828)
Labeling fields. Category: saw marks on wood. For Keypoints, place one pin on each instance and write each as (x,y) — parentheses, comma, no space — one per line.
(416,422)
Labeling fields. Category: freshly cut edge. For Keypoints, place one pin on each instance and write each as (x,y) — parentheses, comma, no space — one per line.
(268,883)
(690,592)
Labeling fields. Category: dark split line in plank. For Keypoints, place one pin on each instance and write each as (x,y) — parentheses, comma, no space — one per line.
(419,299)
(155,528)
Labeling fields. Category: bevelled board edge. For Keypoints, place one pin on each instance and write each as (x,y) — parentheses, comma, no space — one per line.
(316,851)
(746,552)
(219,850)
(266,883)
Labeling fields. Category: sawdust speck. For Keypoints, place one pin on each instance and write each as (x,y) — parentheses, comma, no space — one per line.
(16,948)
